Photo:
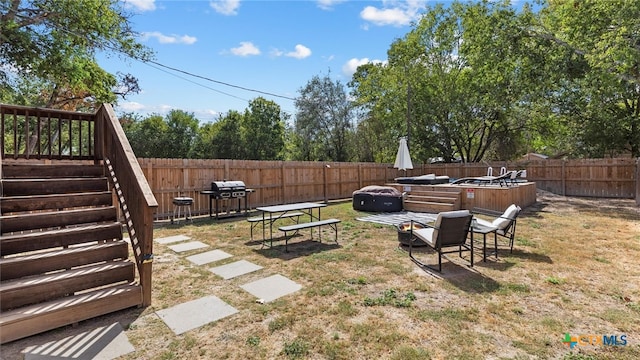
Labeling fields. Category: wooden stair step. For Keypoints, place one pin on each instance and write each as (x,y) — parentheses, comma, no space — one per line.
(42,262)
(54,201)
(450,200)
(436,193)
(50,219)
(23,187)
(429,207)
(40,240)
(51,170)
(34,319)
(38,288)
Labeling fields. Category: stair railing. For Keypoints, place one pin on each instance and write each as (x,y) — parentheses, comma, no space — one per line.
(134,193)
(33,133)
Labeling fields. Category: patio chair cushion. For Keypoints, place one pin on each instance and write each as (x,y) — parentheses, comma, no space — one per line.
(506,218)
(426,234)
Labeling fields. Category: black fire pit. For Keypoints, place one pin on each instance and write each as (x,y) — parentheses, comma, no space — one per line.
(404,234)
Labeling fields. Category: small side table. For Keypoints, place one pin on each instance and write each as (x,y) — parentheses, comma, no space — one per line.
(477,228)
(178,204)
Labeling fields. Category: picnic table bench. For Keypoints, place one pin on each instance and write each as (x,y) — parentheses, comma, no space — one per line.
(275,212)
(257,220)
(295,228)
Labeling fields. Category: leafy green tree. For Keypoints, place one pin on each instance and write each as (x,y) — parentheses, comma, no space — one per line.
(157,137)
(262,130)
(602,72)
(147,137)
(453,84)
(323,120)
(55,41)
(376,95)
(181,132)
(221,139)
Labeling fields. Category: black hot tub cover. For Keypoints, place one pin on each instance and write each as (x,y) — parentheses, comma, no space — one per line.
(377,199)
(379,190)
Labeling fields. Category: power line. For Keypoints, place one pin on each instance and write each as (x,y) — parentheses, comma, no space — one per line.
(191,81)
(216,81)
(148,61)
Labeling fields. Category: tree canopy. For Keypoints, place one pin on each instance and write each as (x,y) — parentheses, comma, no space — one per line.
(48,48)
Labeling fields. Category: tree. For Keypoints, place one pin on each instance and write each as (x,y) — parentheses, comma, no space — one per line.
(55,41)
(454,84)
(601,40)
(147,137)
(223,139)
(262,130)
(379,98)
(181,133)
(323,121)
(158,137)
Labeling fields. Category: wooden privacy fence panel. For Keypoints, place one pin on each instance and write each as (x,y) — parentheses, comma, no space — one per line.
(280,182)
(608,178)
(273,182)
(613,178)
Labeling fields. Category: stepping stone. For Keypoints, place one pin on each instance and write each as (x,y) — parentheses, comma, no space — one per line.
(172,239)
(271,288)
(103,343)
(234,269)
(208,257)
(192,245)
(193,314)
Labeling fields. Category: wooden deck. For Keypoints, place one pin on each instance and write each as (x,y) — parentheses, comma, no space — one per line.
(492,197)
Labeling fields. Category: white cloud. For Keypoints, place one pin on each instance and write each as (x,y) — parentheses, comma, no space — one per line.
(225,7)
(328,4)
(142,5)
(350,67)
(169,39)
(246,48)
(301,52)
(396,13)
(130,106)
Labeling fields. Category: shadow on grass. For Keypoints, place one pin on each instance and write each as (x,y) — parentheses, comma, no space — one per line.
(523,255)
(463,277)
(457,273)
(460,275)
(296,249)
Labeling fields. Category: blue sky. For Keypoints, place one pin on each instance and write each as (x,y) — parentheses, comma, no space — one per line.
(274,47)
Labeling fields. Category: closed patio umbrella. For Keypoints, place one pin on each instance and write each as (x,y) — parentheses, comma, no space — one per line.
(403,159)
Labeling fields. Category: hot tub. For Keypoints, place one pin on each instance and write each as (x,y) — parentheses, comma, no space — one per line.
(376,198)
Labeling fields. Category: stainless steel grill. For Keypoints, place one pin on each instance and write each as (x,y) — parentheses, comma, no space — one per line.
(229,189)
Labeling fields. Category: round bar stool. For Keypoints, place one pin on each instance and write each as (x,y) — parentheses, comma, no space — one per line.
(178,204)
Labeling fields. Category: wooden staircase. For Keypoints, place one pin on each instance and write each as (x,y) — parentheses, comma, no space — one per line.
(431,200)
(62,255)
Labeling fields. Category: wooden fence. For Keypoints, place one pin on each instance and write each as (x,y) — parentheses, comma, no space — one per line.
(280,182)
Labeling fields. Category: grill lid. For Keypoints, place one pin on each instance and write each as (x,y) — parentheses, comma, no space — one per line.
(227,185)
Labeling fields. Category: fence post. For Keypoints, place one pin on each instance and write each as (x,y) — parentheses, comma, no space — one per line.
(638,181)
(283,186)
(562,179)
(324,182)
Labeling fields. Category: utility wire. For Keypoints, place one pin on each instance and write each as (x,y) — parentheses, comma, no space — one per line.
(216,81)
(151,64)
(148,61)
